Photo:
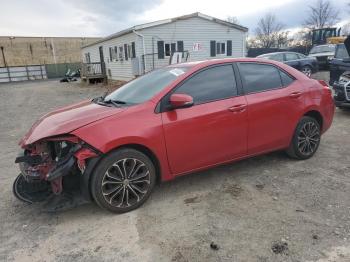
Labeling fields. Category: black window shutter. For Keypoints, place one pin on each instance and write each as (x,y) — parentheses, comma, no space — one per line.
(133,50)
(160,45)
(126,51)
(180,46)
(110,54)
(229,48)
(212,48)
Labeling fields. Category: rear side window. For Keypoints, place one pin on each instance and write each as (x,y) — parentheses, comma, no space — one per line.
(286,79)
(211,84)
(259,77)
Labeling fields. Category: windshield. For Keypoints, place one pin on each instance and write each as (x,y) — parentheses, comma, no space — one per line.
(341,52)
(145,87)
(322,49)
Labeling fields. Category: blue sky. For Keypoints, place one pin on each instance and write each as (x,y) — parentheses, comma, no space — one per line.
(103,17)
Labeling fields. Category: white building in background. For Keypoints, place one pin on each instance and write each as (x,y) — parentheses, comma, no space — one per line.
(142,48)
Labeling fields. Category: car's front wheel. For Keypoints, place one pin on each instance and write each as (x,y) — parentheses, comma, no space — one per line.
(306,139)
(123,180)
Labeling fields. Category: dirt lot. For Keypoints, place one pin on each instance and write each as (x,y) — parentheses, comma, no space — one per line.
(299,209)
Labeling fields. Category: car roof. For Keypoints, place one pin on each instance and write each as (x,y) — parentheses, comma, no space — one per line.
(282,52)
(204,63)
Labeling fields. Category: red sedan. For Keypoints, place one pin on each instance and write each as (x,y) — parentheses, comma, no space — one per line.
(167,123)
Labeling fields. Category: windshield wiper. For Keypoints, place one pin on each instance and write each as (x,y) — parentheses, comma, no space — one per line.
(114,102)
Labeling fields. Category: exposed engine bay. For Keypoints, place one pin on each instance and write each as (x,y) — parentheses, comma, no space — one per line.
(51,168)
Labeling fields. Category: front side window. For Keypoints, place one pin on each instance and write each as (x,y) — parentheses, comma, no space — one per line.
(259,77)
(291,56)
(145,87)
(210,84)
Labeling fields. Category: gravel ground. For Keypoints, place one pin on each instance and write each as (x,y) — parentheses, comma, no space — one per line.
(268,208)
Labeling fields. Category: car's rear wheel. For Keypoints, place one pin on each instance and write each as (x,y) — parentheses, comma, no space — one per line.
(306,139)
(123,180)
(306,70)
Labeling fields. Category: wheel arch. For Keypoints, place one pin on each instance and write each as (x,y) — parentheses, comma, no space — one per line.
(148,152)
(85,181)
(316,115)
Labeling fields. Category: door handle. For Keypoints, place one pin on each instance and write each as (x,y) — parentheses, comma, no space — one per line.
(237,108)
(295,95)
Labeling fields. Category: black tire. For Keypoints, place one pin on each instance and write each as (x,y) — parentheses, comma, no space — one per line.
(37,191)
(305,143)
(130,172)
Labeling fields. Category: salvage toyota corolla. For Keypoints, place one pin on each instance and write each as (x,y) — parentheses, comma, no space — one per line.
(167,123)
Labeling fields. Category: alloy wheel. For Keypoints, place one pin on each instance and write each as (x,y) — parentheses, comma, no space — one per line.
(307,71)
(126,182)
(308,138)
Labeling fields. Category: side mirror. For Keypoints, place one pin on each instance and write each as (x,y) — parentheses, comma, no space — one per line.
(346,60)
(180,101)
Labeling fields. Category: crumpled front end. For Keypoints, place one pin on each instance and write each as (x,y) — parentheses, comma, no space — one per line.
(52,167)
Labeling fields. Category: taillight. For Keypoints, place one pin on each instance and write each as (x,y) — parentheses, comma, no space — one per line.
(326,87)
(323,83)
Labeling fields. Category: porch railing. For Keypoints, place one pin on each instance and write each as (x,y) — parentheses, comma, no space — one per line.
(95,69)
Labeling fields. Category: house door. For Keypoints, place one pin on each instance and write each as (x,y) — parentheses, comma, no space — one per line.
(102,60)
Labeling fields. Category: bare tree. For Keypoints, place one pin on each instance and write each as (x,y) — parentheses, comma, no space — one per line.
(267,30)
(321,14)
(346,29)
(282,39)
(232,19)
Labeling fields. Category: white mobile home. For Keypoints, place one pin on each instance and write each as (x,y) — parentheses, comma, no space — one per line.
(142,48)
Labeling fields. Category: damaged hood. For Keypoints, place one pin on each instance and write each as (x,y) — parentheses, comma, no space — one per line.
(67,119)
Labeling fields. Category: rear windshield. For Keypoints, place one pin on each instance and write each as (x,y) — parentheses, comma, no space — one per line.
(341,52)
(322,49)
(145,87)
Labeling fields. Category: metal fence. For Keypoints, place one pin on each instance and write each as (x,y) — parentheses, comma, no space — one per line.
(22,73)
(59,70)
(35,72)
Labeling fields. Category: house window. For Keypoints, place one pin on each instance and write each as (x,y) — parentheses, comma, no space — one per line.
(115,53)
(169,48)
(121,51)
(87,58)
(220,48)
(129,51)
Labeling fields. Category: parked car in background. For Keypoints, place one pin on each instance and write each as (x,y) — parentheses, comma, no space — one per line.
(323,54)
(170,122)
(340,68)
(339,64)
(305,64)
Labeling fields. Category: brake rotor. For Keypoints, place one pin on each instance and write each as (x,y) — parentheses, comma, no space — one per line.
(31,192)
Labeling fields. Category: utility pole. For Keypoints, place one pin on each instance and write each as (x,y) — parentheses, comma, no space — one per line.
(3,56)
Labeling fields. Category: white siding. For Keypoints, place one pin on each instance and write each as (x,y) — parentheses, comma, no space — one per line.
(121,69)
(190,31)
